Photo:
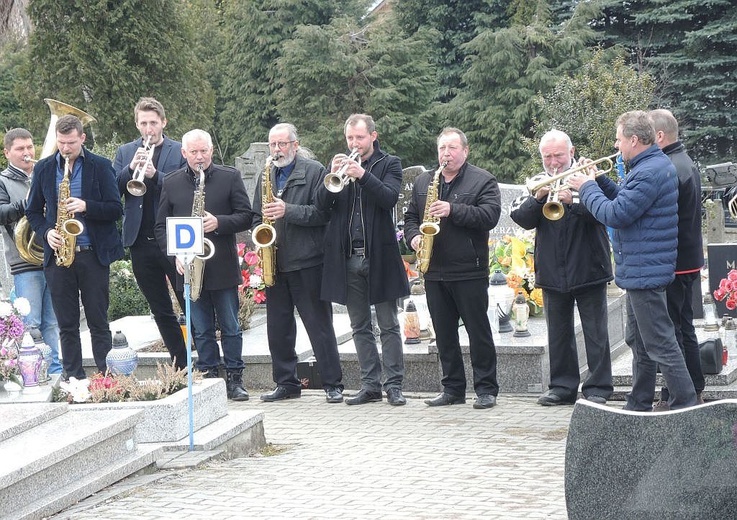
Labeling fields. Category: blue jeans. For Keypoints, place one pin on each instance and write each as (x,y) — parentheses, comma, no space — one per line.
(654,341)
(224,303)
(359,312)
(31,285)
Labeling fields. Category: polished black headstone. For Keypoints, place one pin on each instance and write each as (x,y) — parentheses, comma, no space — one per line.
(679,465)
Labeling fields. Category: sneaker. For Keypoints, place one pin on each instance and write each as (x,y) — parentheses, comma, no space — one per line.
(334,395)
(661,406)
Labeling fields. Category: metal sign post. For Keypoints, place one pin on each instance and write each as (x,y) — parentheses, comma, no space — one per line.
(185,240)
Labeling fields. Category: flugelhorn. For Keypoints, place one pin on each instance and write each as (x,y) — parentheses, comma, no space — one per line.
(542,180)
(335,182)
(136,186)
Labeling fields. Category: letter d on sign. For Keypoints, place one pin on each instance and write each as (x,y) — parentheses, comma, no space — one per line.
(183,236)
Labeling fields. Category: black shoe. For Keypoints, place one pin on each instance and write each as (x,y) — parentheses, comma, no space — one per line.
(485,401)
(445,400)
(550,398)
(596,399)
(334,395)
(213,373)
(365,396)
(280,393)
(395,397)
(234,385)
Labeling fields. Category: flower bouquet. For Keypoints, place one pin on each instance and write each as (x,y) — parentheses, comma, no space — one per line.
(11,332)
(514,256)
(728,290)
(251,291)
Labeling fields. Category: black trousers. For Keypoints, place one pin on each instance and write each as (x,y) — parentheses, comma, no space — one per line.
(90,279)
(562,349)
(301,289)
(468,300)
(151,269)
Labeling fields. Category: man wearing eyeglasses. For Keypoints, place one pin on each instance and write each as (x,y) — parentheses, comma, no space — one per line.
(300,231)
(362,262)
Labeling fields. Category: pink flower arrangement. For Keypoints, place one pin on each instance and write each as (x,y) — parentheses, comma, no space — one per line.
(11,331)
(728,289)
(253,283)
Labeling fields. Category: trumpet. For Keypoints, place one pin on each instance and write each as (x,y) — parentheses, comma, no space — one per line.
(541,180)
(28,158)
(335,182)
(136,186)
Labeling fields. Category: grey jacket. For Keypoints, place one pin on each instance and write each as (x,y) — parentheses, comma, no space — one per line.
(300,234)
(14,185)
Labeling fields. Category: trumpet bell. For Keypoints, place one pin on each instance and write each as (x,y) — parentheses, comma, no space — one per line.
(136,188)
(553,210)
(263,235)
(73,227)
(429,228)
(334,183)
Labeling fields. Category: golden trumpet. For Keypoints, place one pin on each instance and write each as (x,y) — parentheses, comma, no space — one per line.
(541,180)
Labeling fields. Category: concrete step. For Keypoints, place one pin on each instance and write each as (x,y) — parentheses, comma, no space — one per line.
(80,451)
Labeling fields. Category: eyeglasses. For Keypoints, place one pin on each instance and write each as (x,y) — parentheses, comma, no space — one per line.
(280,144)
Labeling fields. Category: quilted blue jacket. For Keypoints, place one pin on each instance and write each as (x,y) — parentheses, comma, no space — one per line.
(643,212)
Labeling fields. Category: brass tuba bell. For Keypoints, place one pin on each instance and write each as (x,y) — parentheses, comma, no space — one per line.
(25,238)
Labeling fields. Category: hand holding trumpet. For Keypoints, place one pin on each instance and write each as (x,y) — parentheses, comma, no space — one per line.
(347,165)
(576,180)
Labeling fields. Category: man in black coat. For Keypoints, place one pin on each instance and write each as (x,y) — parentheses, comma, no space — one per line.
(227,211)
(362,265)
(300,232)
(150,266)
(95,202)
(572,267)
(457,278)
(690,258)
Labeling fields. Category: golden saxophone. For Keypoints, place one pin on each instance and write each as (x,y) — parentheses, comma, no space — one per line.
(197,265)
(430,225)
(67,226)
(264,235)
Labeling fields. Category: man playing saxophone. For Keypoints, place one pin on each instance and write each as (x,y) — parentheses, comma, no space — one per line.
(457,278)
(95,202)
(227,212)
(300,230)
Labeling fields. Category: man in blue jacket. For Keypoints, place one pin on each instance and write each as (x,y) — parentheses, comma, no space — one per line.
(643,212)
(150,266)
(95,202)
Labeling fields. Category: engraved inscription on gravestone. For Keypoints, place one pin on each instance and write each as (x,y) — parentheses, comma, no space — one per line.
(405,193)
(506,225)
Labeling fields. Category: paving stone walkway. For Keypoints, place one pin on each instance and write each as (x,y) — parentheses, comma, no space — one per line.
(372,461)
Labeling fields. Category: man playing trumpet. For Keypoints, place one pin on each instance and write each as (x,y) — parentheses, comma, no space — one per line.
(572,267)
(151,267)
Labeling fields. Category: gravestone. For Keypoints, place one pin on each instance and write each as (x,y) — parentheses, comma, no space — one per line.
(624,465)
(506,226)
(405,194)
(251,165)
(722,259)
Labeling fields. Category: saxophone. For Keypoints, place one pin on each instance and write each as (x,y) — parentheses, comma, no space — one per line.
(197,265)
(67,226)
(430,225)
(264,235)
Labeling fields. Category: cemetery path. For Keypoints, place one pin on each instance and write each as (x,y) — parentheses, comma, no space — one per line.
(371,461)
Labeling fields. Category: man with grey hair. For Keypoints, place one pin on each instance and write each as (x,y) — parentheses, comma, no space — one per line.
(299,227)
(643,212)
(228,211)
(690,258)
(572,267)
